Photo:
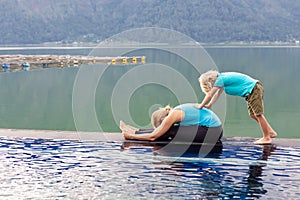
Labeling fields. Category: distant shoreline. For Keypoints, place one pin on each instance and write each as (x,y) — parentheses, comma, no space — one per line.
(18,48)
(58,45)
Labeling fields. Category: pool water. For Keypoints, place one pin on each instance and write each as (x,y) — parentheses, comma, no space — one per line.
(60,169)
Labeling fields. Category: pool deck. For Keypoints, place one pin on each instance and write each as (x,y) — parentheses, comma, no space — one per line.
(116,137)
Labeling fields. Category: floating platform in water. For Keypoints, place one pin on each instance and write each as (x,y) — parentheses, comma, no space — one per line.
(118,137)
(16,62)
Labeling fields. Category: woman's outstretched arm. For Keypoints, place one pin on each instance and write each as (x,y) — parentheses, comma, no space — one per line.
(174,117)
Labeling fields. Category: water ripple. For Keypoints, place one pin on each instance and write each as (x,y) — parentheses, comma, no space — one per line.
(56,169)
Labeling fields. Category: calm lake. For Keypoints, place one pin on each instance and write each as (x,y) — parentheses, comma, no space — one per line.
(44,99)
(96,97)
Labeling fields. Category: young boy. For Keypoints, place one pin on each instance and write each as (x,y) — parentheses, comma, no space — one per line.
(213,83)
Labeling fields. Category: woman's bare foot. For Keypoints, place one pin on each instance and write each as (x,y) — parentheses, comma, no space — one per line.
(126,134)
(122,125)
(127,127)
(263,141)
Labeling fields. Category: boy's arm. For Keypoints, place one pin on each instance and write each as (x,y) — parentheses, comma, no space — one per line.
(215,98)
(208,97)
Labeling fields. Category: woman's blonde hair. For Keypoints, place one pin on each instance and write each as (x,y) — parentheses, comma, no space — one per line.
(159,115)
(206,80)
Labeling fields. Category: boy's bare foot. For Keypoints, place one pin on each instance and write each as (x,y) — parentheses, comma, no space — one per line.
(263,141)
(273,134)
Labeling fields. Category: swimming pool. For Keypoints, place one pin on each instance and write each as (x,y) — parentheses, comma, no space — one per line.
(73,169)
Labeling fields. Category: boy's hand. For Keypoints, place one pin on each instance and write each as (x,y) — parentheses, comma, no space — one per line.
(208,106)
(199,106)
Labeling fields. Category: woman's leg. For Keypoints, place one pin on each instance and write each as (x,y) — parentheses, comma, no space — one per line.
(209,135)
(144,130)
(170,134)
(199,134)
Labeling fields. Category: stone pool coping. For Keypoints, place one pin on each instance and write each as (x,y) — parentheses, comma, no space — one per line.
(117,137)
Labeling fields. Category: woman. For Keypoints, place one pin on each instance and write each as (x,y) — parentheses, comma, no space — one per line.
(185,122)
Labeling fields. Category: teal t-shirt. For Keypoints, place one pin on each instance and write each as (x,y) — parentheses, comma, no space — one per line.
(235,83)
(200,117)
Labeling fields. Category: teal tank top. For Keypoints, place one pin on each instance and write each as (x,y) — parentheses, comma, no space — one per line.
(235,83)
(200,117)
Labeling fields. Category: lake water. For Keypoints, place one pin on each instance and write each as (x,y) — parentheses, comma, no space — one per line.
(73,98)
(44,99)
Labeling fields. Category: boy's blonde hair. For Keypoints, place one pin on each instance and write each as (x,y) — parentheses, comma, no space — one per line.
(206,80)
(159,115)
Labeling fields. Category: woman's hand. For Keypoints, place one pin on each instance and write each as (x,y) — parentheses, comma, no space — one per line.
(127,131)
(127,134)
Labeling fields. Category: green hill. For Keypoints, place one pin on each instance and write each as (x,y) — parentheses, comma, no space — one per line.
(39,21)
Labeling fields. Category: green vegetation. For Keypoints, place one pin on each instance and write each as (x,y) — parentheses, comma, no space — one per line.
(215,21)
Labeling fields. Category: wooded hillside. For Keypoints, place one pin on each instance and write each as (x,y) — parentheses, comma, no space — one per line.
(39,21)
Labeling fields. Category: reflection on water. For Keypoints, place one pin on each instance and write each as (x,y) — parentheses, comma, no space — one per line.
(255,185)
(228,171)
(56,169)
(178,150)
